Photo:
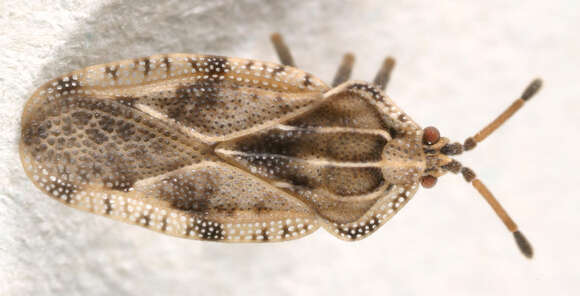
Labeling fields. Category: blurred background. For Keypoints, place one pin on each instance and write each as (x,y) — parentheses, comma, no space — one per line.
(458,65)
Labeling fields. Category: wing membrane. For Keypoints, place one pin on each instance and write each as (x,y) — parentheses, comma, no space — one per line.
(132,140)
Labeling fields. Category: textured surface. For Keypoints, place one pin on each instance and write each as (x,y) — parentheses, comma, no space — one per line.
(218,148)
(458,65)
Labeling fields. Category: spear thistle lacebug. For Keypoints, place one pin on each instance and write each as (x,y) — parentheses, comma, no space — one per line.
(236,150)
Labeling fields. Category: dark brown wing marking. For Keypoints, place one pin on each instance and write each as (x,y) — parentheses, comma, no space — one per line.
(345,158)
(132,141)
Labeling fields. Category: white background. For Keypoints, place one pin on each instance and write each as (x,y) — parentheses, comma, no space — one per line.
(458,65)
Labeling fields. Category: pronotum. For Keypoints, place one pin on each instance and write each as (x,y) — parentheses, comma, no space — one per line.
(236,150)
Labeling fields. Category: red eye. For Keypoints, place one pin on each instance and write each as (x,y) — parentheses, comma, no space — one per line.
(430,135)
(428,181)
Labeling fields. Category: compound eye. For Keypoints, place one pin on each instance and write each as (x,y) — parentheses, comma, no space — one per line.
(430,135)
(428,181)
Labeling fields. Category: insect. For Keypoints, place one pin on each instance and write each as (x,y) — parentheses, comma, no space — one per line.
(235,150)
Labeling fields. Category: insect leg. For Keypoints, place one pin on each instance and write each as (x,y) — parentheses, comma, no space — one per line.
(528,93)
(384,74)
(344,70)
(282,49)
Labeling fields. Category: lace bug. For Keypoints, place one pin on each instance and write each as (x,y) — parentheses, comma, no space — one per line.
(237,150)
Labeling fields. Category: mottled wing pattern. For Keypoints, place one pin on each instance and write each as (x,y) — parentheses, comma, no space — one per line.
(133,140)
(355,158)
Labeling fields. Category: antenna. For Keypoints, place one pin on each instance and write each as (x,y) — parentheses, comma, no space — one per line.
(528,93)
(470,176)
(521,240)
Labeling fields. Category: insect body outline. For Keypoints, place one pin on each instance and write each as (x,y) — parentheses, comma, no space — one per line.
(236,150)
